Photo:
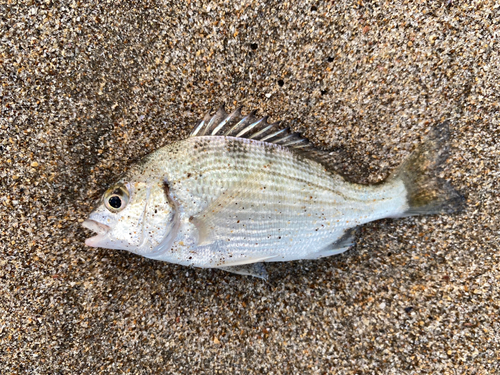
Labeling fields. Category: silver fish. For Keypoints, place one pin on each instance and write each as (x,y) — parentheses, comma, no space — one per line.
(239,192)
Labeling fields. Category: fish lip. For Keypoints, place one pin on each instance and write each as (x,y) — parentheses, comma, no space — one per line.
(96,227)
(100,229)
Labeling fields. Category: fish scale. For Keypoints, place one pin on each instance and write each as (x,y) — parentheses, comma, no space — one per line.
(240,192)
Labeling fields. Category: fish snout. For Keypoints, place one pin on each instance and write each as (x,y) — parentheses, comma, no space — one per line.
(96,227)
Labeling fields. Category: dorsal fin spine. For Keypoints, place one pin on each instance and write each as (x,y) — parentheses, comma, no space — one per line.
(304,146)
(238,124)
(291,143)
(263,130)
(250,127)
(225,121)
(200,125)
(283,139)
(273,135)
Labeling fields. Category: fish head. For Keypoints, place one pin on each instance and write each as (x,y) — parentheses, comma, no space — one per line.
(135,216)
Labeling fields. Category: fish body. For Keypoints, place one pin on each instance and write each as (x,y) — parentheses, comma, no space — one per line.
(240,192)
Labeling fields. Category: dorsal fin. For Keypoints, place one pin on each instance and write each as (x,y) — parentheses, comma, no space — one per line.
(249,126)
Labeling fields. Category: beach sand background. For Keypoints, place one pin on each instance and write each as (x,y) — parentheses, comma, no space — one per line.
(87,88)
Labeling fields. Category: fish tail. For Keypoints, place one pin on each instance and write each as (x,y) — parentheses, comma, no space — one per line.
(428,194)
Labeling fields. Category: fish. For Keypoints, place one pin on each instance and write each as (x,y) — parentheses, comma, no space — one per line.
(240,192)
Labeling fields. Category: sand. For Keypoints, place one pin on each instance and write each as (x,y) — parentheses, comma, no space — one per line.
(88,89)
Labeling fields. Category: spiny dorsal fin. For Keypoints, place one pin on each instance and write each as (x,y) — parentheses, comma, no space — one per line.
(250,126)
(247,126)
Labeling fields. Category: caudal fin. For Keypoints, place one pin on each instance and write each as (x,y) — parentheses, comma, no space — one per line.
(426,193)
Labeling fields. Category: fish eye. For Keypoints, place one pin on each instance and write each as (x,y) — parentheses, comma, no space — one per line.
(115,201)
(116,198)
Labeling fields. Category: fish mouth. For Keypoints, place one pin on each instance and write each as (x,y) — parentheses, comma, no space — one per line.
(101,229)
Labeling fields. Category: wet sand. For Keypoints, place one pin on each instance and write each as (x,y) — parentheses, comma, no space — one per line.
(86,90)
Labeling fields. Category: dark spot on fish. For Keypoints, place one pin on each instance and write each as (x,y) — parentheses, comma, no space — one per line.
(166,188)
(281,83)
(269,148)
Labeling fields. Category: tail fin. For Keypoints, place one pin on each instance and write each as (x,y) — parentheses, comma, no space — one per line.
(428,194)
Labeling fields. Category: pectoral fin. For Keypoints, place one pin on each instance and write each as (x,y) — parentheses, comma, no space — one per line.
(216,215)
(221,213)
(206,234)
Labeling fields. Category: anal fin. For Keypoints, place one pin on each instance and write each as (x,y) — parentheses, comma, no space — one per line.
(252,269)
(338,247)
